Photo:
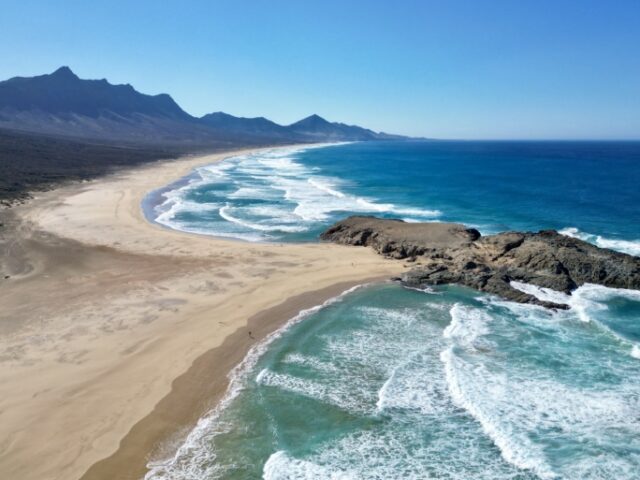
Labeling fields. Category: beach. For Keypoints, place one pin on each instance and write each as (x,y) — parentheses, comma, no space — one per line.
(117,334)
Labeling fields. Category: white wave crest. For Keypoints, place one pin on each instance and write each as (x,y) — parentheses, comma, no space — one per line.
(541,293)
(281,466)
(631,247)
(407,389)
(300,197)
(519,451)
(224,213)
(467,325)
(320,185)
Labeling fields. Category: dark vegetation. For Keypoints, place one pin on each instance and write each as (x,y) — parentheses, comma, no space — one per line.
(31,162)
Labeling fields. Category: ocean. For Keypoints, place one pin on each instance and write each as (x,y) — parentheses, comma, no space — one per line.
(384,382)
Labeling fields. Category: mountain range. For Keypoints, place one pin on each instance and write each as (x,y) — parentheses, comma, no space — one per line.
(62,104)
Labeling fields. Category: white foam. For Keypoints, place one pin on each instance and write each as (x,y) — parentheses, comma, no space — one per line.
(325,187)
(193,460)
(392,452)
(224,213)
(588,301)
(631,247)
(299,195)
(251,193)
(467,325)
(635,351)
(585,301)
(411,387)
(281,466)
(520,452)
(427,289)
(310,362)
(514,403)
(319,391)
(541,293)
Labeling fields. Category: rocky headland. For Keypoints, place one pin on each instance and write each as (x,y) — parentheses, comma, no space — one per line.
(450,253)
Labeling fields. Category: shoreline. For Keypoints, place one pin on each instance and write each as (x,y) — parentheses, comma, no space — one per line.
(126,311)
(138,448)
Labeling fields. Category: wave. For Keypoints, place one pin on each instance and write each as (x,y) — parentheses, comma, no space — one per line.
(631,247)
(542,293)
(519,451)
(318,391)
(309,362)
(300,197)
(281,466)
(194,459)
(587,302)
(406,389)
(514,404)
(528,413)
(467,325)
(325,188)
(224,213)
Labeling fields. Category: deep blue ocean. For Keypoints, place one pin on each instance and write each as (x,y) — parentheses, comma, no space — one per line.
(385,382)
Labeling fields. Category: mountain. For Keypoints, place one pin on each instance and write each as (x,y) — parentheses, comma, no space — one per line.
(60,103)
(62,92)
(63,104)
(258,126)
(316,127)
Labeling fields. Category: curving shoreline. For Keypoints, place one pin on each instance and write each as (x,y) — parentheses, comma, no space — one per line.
(123,309)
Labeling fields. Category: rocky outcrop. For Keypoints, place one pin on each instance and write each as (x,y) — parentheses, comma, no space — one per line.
(451,253)
(399,239)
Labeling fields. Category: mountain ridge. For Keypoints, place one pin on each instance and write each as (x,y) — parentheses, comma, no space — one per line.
(61,103)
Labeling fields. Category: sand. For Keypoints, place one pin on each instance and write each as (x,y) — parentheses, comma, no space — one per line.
(116,334)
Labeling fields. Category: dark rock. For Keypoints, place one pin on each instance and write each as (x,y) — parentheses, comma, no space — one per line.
(456,254)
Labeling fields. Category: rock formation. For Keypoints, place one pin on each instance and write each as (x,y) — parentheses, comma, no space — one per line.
(451,253)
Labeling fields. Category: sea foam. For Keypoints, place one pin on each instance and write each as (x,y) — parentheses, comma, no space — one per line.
(631,247)
(266,195)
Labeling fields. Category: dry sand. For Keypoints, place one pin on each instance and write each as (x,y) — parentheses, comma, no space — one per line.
(117,334)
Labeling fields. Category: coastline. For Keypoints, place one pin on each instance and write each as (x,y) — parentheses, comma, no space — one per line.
(199,390)
(126,315)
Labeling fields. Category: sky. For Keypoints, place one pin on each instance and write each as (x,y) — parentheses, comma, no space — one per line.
(492,69)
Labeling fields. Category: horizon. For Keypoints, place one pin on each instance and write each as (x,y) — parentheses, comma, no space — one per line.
(456,72)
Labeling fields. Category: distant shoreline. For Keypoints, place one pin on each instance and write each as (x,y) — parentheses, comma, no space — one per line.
(129,307)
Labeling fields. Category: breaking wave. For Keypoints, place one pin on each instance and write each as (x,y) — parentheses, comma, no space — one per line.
(265,196)
(631,247)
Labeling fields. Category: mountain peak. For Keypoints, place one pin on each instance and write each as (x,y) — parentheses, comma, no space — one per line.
(312,121)
(314,118)
(64,72)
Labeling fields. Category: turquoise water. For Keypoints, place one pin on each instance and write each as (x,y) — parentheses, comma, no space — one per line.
(387,382)
(384,382)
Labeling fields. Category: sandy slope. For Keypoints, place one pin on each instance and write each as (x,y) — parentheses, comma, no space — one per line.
(103,311)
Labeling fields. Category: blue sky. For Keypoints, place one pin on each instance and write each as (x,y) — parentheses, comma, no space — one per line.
(443,69)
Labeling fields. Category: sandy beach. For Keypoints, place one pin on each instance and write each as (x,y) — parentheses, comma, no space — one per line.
(117,334)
